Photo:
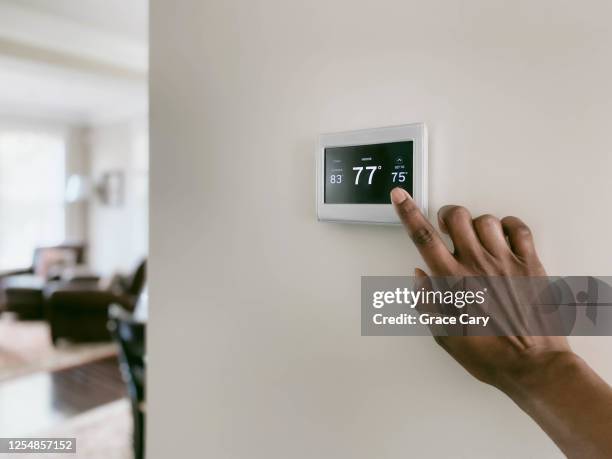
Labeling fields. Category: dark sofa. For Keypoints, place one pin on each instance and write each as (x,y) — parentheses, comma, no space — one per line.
(78,311)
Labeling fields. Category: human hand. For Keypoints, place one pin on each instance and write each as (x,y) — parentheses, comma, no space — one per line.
(485,246)
(571,403)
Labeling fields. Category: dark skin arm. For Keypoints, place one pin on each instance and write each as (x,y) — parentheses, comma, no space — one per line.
(542,375)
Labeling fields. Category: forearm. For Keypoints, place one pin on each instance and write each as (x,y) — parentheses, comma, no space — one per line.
(569,401)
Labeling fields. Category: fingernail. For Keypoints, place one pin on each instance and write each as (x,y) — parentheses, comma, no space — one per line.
(419,273)
(399,195)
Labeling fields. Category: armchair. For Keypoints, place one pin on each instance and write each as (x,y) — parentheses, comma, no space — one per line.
(78,311)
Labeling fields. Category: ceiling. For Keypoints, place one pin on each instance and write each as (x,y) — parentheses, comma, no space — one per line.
(125,17)
(73,61)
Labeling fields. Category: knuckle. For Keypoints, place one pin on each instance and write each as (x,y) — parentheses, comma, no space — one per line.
(423,236)
(456,214)
(516,227)
(511,221)
(486,220)
(522,231)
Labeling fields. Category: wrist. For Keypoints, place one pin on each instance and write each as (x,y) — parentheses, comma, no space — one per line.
(537,372)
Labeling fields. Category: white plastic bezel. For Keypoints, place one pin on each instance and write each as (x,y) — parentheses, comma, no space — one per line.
(373,213)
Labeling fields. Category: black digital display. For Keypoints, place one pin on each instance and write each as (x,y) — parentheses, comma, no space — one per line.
(366,174)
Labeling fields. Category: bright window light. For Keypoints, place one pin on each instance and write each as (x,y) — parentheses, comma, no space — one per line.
(32,182)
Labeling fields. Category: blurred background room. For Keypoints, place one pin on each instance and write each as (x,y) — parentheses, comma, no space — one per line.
(74,222)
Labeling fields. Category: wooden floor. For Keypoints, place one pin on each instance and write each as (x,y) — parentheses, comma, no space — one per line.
(36,402)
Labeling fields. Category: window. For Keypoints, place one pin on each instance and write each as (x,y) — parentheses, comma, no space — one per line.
(32,169)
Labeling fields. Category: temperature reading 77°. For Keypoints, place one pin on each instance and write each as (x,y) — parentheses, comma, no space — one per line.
(360,169)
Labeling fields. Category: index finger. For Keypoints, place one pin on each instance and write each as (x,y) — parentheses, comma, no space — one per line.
(423,234)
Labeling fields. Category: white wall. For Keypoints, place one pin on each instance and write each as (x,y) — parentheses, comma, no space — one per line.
(255,329)
(118,235)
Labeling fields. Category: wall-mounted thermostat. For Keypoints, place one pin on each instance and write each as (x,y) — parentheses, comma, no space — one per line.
(357,170)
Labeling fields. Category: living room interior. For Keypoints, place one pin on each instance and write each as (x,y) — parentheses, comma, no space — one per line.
(74,222)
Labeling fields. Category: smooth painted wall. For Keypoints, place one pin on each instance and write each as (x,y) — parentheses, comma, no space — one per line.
(254,340)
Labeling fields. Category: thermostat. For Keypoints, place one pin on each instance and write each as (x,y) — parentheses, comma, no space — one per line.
(357,170)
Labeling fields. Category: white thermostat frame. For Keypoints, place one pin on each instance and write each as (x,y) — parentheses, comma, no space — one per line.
(373,213)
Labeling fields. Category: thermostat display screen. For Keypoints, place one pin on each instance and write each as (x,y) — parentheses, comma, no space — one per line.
(366,174)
